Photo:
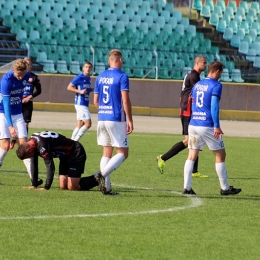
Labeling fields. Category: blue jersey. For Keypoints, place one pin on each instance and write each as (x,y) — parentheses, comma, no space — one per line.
(13,88)
(81,82)
(109,85)
(202,93)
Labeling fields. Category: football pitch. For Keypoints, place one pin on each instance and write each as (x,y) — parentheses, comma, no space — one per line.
(149,219)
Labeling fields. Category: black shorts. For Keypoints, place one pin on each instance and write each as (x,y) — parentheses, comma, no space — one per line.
(74,164)
(27,109)
(185,120)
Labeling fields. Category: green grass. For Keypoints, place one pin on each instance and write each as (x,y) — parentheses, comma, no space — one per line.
(150,219)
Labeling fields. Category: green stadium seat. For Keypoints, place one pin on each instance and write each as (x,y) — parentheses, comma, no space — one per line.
(221,4)
(228,33)
(34,6)
(210,3)
(236,76)
(235,41)
(241,33)
(244,4)
(163,73)
(251,55)
(252,12)
(9,5)
(221,26)
(83,9)
(46,6)
(241,11)
(214,19)
(255,5)
(245,26)
(41,57)
(185,71)
(249,38)
(256,62)
(229,11)
(197,5)
(173,22)
(205,11)
(243,47)
(256,45)
(8,20)
(21,35)
(131,26)
(238,19)
(48,67)
(225,76)
(232,4)
(177,15)
(153,13)
(134,6)
(58,7)
(170,7)
(138,72)
(71,8)
(62,67)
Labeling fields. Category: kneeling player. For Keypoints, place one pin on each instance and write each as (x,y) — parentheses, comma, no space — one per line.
(72,155)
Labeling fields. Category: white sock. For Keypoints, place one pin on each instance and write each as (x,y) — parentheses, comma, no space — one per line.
(2,155)
(188,166)
(29,166)
(74,133)
(113,164)
(103,163)
(81,132)
(222,175)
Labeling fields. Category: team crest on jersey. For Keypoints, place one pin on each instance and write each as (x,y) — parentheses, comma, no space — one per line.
(24,82)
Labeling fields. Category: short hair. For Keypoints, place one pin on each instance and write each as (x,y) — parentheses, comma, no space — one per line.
(114,54)
(89,63)
(20,65)
(214,66)
(22,151)
(198,58)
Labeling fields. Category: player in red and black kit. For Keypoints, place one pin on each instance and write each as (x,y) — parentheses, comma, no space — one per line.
(190,80)
(28,95)
(71,154)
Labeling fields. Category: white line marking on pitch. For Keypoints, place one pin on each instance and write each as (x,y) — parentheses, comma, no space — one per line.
(195,202)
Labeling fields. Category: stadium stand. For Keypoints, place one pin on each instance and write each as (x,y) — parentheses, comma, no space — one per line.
(63,31)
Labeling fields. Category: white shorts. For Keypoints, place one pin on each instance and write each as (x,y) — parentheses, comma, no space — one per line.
(82,113)
(110,133)
(199,136)
(18,124)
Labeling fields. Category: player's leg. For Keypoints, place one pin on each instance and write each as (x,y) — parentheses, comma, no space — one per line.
(188,166)
(218,148)
(83,114)
(195,144)
(27,113)
(4,138)
(178,147)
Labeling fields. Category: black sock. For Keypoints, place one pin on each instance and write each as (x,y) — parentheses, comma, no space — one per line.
(195,166)
(87,183)
(173,151)
(27,129)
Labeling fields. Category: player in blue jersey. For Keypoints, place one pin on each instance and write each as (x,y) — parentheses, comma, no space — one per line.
(11,118)
(115,123)
(28,95)
(81,86)
(204,128)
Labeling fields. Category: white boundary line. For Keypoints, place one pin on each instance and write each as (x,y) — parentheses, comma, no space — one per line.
(195,202)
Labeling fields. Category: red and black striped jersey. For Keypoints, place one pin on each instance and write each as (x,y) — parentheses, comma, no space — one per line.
(185,99)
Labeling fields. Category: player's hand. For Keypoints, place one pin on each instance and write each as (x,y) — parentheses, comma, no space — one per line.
(130,128)
(29,187)
(83,91)
(13,132)
(218,132)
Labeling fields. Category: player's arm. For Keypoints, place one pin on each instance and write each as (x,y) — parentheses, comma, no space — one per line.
(35,172)
(73,89)
(128,111)
(215,116)
(95,101)
(50,169)
(38,87)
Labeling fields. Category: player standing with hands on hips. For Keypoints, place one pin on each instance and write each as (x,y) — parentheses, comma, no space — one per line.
(115,123)
(204,128)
